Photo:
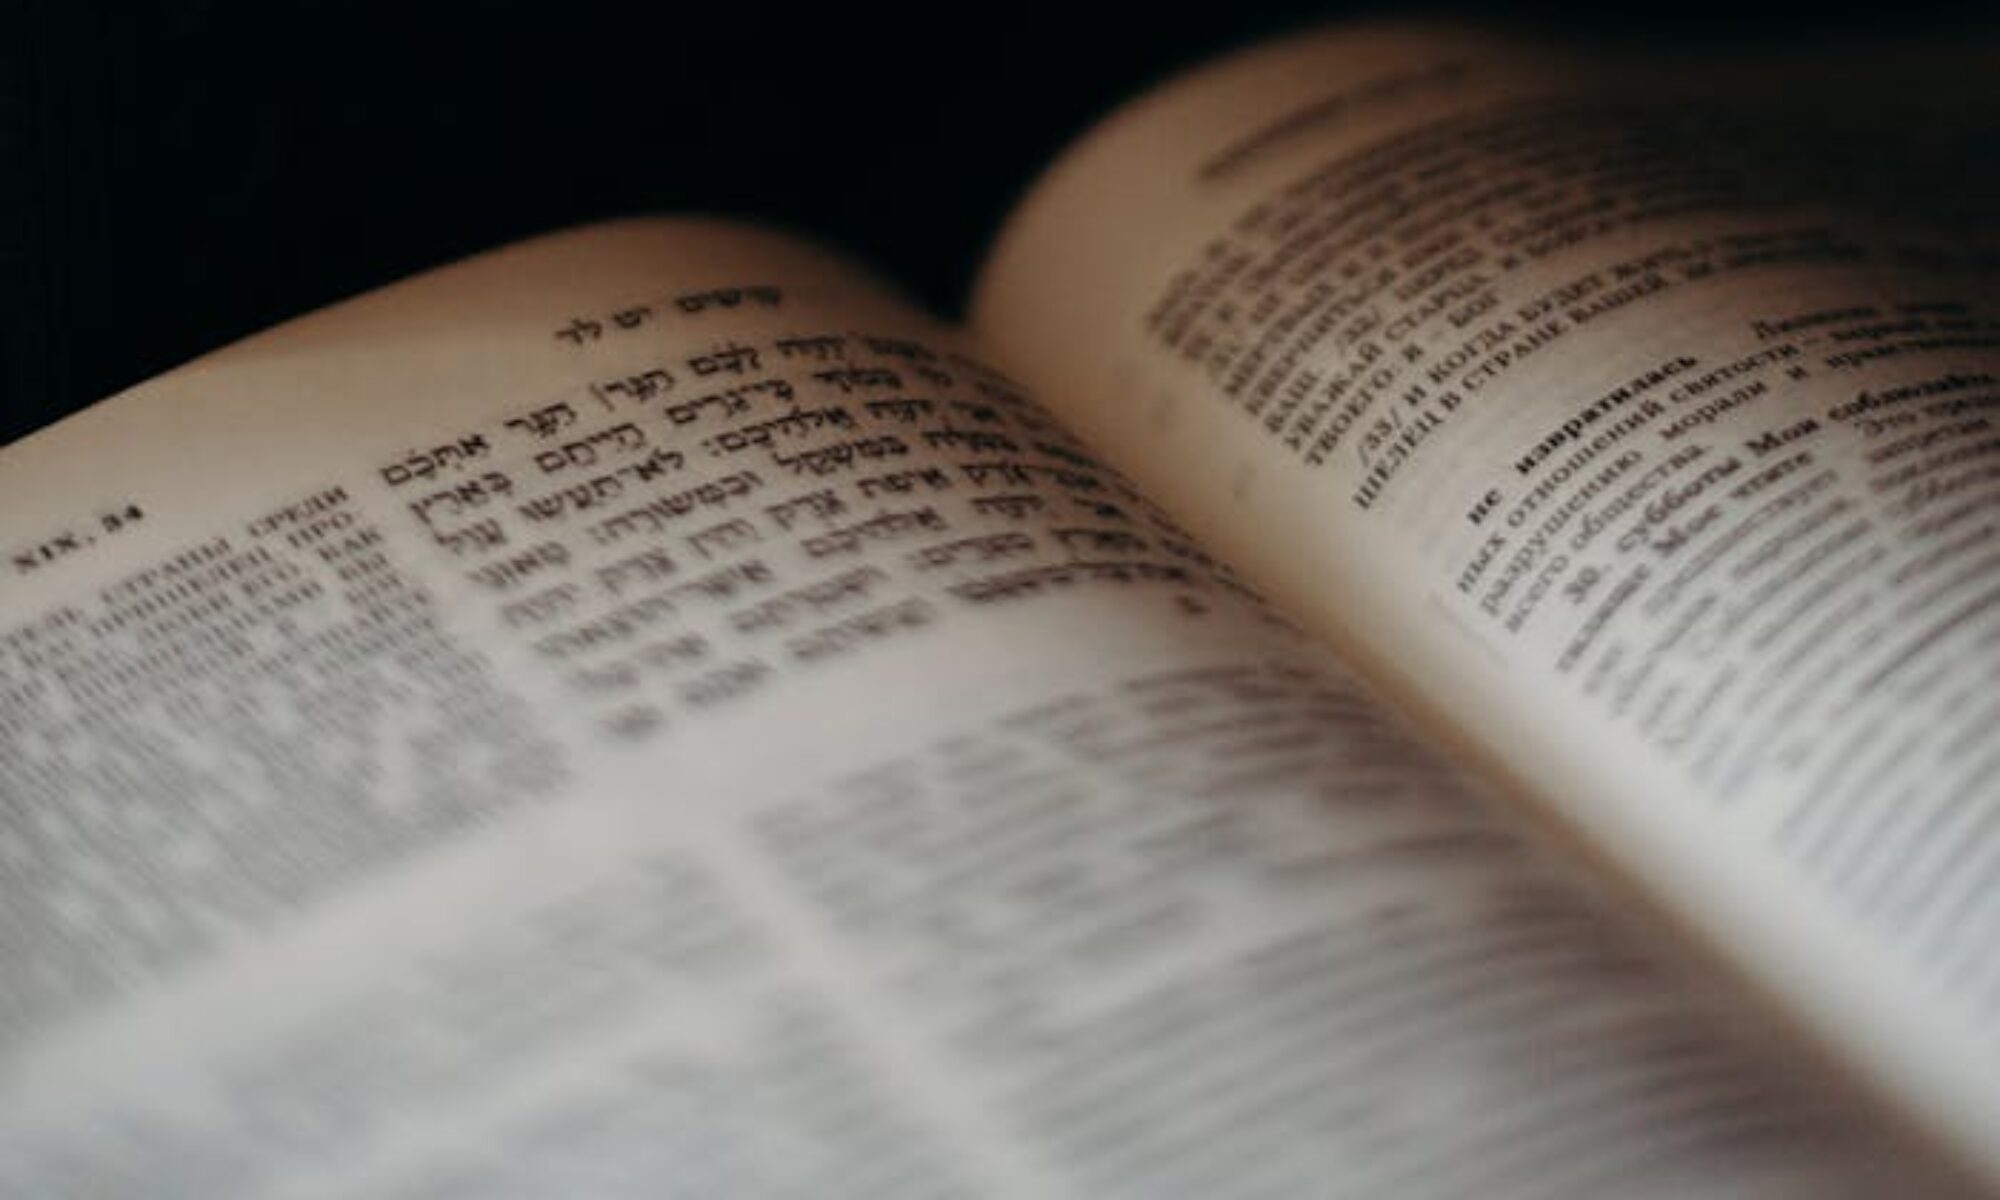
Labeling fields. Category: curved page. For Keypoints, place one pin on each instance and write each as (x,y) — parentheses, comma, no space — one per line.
(644,712)
(1635,420)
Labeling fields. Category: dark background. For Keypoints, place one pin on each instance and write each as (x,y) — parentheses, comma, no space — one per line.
(175,175)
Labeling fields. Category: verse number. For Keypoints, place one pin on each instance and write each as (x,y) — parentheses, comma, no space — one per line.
(61,545)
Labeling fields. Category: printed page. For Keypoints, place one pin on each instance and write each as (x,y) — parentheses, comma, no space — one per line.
(643,712)
(1633,419)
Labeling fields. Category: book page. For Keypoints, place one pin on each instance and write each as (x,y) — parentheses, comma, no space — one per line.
(644,712)
(1635,420)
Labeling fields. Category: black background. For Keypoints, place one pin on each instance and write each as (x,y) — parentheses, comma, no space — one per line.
(176,175)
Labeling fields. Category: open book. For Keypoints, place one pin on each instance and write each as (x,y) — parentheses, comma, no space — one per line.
(1434,636)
